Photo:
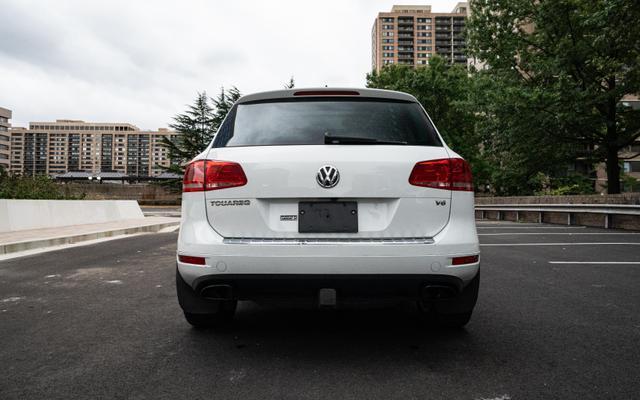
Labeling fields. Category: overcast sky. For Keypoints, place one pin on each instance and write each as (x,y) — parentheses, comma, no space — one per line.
(143,61)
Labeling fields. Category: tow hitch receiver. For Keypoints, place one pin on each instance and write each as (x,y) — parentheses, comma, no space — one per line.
(327,298)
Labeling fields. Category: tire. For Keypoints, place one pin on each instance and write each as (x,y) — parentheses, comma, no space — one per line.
(223,316)
(452,313)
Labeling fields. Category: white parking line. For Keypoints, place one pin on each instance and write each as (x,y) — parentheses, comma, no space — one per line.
(559,244)
(557,233)
(597,262)
(527,227)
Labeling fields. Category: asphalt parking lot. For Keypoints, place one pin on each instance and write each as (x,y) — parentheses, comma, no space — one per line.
(558,318)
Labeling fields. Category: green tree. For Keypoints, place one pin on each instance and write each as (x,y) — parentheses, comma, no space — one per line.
(223,103)
(291,84)
(518,143)
(196,127)
(444,90)
(561,68)
(39,187)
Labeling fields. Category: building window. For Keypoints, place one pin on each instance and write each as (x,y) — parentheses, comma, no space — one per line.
(631,166)
(387,33)
(387,19)
(387,54)
(387,40)
(387,26)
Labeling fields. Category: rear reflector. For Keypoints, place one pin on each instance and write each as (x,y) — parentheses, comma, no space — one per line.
(327,93)
(465,260)
(192,260)
(204,175)
(446,173)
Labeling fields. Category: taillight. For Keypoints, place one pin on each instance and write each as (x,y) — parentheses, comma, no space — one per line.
(446,173)
(461,178)
(465,260)
(192,260)
(193,180)
(204,175)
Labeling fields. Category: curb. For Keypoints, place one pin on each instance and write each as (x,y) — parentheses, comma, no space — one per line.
(57,241)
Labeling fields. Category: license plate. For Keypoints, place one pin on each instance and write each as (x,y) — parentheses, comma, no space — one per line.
(328,217)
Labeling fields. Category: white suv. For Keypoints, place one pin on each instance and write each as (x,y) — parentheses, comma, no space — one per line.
(327,195)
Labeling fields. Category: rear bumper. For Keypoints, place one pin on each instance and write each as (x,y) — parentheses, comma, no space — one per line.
(258,286)
(310,262)
(226,260)
(447,293)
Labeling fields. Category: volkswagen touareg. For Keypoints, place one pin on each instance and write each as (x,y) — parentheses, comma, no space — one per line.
(327,195)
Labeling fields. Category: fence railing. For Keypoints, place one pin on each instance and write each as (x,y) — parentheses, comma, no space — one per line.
(574,213)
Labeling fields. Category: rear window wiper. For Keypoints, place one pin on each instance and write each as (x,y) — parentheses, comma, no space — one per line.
(330,139)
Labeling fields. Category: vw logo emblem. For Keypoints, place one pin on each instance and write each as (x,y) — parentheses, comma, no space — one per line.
(328,176)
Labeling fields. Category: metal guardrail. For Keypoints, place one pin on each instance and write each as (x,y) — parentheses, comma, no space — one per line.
(607,210)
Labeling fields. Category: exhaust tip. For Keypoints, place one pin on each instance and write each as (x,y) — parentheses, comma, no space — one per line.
(217,292)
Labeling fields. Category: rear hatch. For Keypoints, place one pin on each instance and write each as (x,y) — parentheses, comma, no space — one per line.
(301,156)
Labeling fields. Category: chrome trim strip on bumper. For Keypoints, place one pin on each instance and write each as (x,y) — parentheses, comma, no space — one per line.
(329,241)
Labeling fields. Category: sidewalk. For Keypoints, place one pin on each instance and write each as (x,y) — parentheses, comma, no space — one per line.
(17,241)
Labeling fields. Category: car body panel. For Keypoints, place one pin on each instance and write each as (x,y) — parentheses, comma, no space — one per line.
(394,213)
(376,177)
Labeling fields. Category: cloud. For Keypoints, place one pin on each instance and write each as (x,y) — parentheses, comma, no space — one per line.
(141,62)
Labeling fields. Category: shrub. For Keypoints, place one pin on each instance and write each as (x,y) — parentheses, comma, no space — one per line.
(39,187)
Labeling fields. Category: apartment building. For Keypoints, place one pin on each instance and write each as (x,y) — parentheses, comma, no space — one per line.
(54,148)
(629,156)
(411,35)
(5,141)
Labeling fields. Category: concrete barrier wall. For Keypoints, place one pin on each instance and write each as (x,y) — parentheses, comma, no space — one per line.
(146,194)
(631,222)
(16,215)
(624,198)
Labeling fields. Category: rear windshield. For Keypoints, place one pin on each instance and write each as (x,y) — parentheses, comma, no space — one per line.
(308,121)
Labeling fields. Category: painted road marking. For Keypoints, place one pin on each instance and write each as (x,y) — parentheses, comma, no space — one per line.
(561,244)
(514,226)
(557,233)
(597,262)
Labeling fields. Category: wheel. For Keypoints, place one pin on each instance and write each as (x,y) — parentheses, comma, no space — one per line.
(223,316)
(455,312)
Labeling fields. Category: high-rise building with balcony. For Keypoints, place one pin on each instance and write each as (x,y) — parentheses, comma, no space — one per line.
(54,148)
(411,35)
(5,141)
